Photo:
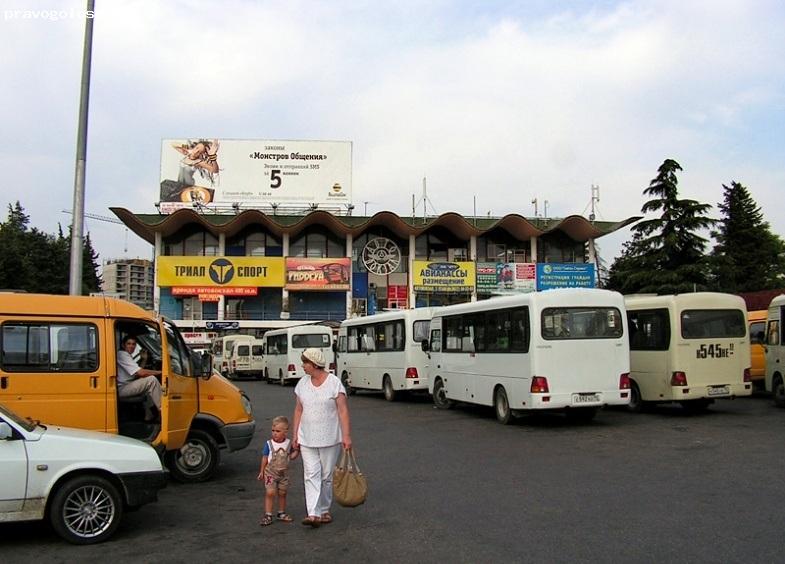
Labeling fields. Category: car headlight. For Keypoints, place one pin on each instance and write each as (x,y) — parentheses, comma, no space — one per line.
(246,404)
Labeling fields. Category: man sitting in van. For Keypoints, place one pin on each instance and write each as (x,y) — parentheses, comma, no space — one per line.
(133,380)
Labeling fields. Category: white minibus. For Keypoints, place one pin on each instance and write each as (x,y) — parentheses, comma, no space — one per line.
(562,349)
(688,348)
(384,352)
(284,347)
(222,350)
(247,359)
(775,351)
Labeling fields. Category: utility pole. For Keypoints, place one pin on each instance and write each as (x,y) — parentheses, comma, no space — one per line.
(77,227)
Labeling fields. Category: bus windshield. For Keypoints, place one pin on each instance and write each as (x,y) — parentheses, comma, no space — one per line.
(712,323)
(581,323)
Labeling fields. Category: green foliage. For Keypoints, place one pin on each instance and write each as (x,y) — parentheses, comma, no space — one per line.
(747,256)
(666,252)
(38,262)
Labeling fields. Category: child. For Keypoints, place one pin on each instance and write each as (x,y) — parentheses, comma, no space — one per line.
(274,471)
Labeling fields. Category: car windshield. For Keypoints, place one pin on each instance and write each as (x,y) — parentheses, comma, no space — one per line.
(26,424)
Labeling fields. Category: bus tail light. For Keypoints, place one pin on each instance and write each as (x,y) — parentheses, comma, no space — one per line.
(624,381)
(747,375)
(539,385)
(291,368)
(679,379)
(411,372)
(333,367)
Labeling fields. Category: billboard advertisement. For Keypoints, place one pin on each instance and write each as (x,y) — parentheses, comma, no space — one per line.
(220,271)
(434,276)
(254,172)
(564,275)
(506,277)
(318,274)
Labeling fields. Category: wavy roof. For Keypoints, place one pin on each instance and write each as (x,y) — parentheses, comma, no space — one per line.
(576,227)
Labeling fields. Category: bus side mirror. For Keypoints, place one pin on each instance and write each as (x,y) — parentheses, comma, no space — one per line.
(206,365)
(426,345)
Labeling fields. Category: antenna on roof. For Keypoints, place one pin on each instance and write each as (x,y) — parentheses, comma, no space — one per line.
(426,201)
(595,197)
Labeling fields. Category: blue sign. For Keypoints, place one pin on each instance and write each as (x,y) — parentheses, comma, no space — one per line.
(222,324)
(552,275)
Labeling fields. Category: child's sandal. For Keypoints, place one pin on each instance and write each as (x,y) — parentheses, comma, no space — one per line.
(285,517)
(267,519)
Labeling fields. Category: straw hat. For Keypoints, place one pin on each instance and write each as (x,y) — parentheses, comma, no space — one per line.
(315,357)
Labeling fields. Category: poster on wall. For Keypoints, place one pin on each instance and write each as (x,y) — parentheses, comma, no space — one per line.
(204,171)
(552,275)
(435,276)
(318,274)
(506,277)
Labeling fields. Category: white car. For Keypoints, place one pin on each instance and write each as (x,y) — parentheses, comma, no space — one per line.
(80,480)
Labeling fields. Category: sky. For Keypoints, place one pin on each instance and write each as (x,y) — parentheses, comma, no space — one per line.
(494,102)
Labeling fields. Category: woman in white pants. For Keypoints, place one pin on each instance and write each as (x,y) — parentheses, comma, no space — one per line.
(321,428)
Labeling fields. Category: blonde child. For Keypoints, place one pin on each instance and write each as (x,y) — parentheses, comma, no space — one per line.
(274,472)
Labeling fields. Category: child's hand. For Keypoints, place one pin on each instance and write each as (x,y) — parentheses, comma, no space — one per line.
(260,477)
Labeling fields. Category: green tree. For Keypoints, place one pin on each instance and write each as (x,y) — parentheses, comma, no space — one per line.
(14,263)
(747,256)
(666,252)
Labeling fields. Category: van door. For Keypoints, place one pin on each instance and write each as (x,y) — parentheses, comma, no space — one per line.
(180,401)
(52,371)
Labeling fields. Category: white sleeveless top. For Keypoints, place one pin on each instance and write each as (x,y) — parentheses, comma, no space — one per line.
(319,424)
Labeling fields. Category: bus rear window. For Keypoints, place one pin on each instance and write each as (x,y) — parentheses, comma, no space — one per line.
(713,323)
(308,341)
(564,323)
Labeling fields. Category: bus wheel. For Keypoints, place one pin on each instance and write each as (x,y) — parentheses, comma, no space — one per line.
(778,391)
(345,381)
(440,399)
(387,388)
(502,406)
(636,404)
(197,460)
(267,376)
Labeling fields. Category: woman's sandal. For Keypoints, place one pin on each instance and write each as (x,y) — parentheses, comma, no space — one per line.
(312,521)
(284,516)
(326,518)
(267,519)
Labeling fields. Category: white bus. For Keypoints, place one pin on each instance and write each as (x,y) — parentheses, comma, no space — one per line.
(247,359)
(384,352)
(284,347)
(222,351)
(775,351)
(688,348)
(561,349)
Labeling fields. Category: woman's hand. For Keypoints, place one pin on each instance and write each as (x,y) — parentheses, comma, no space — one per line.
(347,443)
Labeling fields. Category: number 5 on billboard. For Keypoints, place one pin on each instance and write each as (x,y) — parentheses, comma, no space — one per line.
(275,178)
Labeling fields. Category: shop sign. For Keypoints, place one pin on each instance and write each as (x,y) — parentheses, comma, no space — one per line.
(397,297)
(318,274)
(209,297)
(198,337)
(552,275)
(432,276)
(220,272)
(214,291)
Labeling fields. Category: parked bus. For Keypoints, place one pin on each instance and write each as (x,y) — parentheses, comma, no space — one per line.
(246,359)
(384,352)
(689,348)
(775,351)
(283,348)
(561,349)
(757,327)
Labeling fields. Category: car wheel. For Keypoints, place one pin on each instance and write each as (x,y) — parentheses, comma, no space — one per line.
(196,460)
(778,391)
(345,381)
(86,509)
(387,387)
(440,398)
(502,406)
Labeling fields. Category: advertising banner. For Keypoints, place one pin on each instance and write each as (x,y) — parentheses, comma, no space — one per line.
(249,172)
(564,275)
(506,277)
(432,276)
(206,272)
(214,291)
(487,282)
(397,297)
(318,274)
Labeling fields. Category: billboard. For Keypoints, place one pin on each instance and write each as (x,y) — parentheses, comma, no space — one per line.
(254,172)
(564,275)
(205,272)
(506,277)
(434,276)
(318,274)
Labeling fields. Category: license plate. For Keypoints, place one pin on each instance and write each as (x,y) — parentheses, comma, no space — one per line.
(585,398)
(719,391)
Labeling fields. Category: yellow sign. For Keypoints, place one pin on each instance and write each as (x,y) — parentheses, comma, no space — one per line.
(435,276)
(221,271)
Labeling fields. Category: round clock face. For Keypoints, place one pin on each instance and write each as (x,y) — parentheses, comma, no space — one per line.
(381,256)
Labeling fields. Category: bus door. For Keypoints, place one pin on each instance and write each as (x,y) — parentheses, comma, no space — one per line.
(180,401)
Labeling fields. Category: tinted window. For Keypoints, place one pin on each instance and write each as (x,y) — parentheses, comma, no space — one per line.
(649,330)
(257,350)
(308,341)
(243,350)
(758,332)
(713,323)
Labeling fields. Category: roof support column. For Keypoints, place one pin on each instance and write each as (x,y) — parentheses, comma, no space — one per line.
(473,258)
(349,242)
(593,260)
(533,247)
(221,299)
(284,291)
(156,288)
(411,271)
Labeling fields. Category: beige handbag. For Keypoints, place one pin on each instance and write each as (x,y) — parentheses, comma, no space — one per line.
(349,485)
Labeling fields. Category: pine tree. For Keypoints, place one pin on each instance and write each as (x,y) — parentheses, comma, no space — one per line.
(14,261)
(747,256)
(666,253)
